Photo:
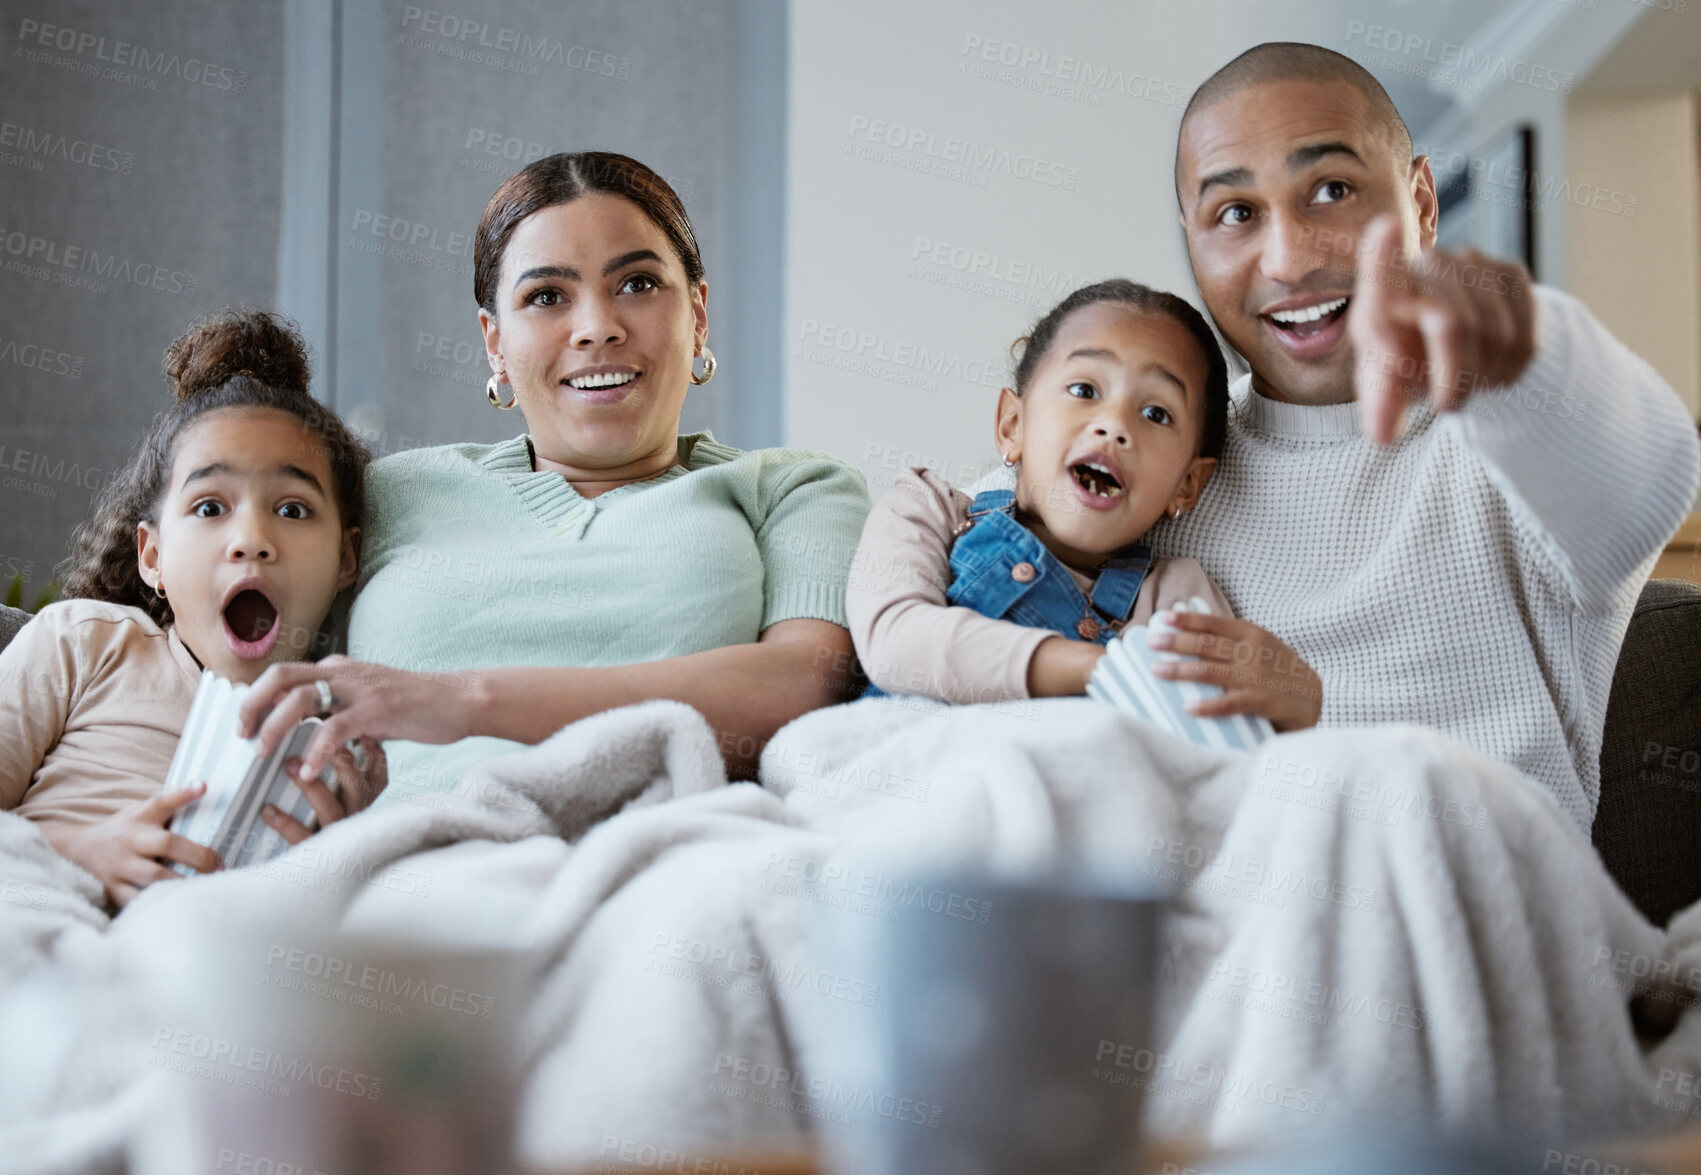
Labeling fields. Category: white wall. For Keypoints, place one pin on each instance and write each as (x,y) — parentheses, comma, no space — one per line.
(862,232)
(1639,272)
(864,283)
(874,245)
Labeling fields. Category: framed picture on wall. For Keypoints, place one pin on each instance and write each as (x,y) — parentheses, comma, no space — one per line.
(1487,198)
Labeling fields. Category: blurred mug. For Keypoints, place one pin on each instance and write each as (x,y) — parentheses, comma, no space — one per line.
(286,1049)
(1002,1007)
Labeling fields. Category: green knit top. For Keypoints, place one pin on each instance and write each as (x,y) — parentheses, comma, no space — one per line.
(471,560)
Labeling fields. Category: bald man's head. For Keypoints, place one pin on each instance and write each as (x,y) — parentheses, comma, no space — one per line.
(1286,154)
(1293,61)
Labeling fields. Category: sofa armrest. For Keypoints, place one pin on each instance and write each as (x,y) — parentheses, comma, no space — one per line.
(1648,825)
(10,621)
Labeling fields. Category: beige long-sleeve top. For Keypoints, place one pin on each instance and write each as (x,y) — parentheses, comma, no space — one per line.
(93,697)
(911,641)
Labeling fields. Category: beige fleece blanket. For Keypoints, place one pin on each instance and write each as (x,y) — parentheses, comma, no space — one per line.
(1378,922)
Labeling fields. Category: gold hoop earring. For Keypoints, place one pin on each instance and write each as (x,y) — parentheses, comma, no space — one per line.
(496,380)
(708,368)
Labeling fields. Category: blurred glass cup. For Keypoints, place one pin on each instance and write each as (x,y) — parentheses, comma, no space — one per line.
(1002,1005)
(290,1051)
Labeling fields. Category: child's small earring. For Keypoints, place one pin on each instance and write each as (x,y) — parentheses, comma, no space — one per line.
(1176,512)
(1008,464)
(159,589)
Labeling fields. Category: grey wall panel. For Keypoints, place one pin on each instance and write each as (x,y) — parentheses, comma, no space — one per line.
(332,158)
(139,170)
(465,103)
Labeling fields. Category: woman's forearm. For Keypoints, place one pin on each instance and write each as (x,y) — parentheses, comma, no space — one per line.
(747,692)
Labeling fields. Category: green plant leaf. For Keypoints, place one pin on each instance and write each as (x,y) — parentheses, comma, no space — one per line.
(48,594)
(15,592)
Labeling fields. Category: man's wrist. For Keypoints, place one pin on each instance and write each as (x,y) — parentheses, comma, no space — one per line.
(1544,384)
(1528,296)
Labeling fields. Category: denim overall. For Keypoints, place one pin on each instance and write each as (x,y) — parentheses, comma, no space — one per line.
(1001,569)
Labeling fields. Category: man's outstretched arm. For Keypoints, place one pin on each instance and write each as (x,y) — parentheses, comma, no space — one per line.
(1580,434)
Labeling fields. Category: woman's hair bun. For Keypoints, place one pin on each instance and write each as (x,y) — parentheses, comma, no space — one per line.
(219,346)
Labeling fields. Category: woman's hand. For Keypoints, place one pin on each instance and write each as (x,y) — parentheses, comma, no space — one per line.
(126,851)
(356,789)
(370,703)
(1258,673)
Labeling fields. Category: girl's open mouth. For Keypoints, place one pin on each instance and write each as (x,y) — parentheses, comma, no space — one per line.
(1096,485)
(251,624)
(1096,479)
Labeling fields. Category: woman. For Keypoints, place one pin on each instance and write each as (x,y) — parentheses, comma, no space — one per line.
(601,558)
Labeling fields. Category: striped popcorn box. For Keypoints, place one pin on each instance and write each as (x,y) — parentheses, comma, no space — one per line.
(1124,679)
(239,782)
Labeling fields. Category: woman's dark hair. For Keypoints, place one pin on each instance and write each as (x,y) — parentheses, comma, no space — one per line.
(560,179)
(1031,348)
(232,358)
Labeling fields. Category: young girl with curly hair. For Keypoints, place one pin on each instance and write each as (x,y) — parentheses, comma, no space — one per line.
(222,546)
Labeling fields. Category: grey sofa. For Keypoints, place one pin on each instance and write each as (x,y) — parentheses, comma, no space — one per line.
(1648,826)
(10,621)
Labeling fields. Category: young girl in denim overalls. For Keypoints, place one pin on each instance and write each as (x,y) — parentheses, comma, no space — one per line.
(1116,420)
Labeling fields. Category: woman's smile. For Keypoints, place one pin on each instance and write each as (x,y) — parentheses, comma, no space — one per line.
(604,383)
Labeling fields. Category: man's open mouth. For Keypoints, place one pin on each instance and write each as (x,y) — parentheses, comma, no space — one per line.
(1096,479)
(251,623)
(1308,320)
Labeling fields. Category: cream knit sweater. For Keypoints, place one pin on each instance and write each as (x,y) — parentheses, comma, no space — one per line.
(1476,577)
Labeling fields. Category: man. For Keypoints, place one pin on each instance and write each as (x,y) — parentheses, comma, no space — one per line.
(1475,571)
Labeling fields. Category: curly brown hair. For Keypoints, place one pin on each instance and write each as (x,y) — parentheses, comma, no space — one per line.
(230,358)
